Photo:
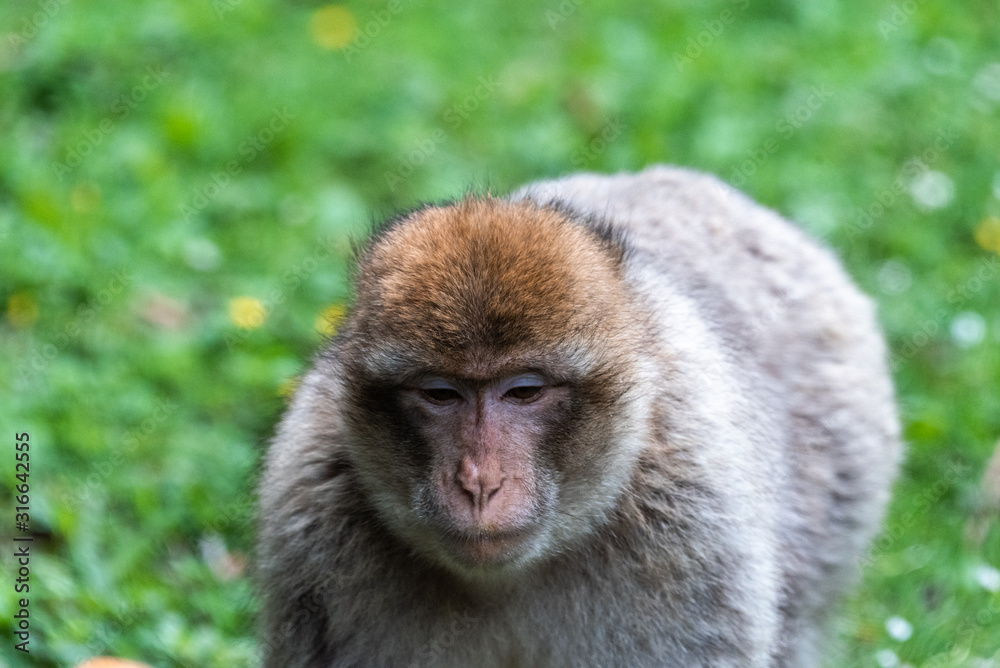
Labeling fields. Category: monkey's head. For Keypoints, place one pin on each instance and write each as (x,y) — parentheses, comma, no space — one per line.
(492,391)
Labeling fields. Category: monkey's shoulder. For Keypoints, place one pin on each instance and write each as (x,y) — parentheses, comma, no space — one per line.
(707,238)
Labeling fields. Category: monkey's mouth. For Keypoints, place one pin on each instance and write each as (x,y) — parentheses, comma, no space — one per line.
(489,548)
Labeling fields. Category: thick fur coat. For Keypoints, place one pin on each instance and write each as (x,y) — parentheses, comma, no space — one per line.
(730,457)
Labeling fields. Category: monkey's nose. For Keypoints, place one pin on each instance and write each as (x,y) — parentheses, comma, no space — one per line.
(479,483)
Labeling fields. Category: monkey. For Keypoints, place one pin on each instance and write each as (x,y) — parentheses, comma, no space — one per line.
(605,420)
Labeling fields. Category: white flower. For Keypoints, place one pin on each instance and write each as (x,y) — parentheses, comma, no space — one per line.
(887,658)
(988,578)
(967,329)
(202,254)
(898,628)
(987,82)
(894,277)
(932,190)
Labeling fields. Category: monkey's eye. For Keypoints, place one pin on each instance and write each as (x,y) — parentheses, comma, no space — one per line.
(440,395)
(523,392)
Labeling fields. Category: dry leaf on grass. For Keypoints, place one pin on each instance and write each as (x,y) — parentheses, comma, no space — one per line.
(111,662)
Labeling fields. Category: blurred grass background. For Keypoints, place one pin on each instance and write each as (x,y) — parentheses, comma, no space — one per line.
(180,182)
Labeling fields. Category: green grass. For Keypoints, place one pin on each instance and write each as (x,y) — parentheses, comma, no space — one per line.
(160,160)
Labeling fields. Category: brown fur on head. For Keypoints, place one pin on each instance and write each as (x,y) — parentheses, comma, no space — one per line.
(475,294)
(487,274)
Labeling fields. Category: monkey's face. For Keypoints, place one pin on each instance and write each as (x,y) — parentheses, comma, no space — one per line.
(488,482)
(485,471)
(490,382)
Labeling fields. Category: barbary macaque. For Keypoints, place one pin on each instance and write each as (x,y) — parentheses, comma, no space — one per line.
(632,420)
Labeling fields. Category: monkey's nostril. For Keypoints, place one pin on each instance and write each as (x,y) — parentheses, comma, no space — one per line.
(479,485)
(471,494)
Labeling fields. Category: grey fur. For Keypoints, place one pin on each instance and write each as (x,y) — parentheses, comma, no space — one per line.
(776,445)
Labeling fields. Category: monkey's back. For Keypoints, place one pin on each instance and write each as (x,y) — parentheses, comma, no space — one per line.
(806,344)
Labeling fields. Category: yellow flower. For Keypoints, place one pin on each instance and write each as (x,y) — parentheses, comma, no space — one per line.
(85,197)
(988,234)
(247,312)
(329,320)
(288,386)
(333,26)
(22,310)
